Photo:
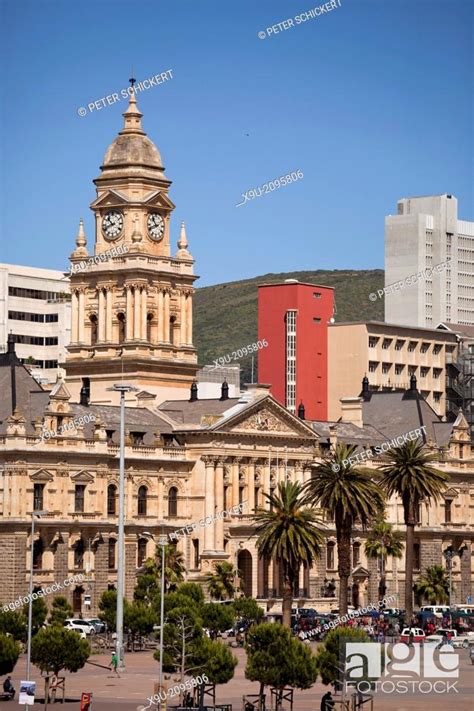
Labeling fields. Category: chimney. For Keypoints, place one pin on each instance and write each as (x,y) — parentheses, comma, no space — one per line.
(301,411)
(84,396)
(365,394)
(352,410)
(194,392)
(224,391)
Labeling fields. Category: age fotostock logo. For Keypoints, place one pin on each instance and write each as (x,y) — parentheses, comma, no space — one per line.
(398,668)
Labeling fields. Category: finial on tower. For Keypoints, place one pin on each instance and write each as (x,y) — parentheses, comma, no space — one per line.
(136,235)
(132,115)
(182,252)
(81,240)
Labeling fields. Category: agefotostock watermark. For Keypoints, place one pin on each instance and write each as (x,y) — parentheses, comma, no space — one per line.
(98,258)
(380,448)
(299,19)
(397,668)
(240,353)
(66,428)
(351,615)
(177,689)
(142,85)
(203,522)
(409,280)
(269,187)
(47,590)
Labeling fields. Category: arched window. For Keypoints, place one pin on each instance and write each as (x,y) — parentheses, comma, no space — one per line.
(149,320)
(121,327)
(173,501)
(330,564)
(141,552)
(111,553)
(38,549)
(111,500)
(79,554)
(93,322)
(142,500)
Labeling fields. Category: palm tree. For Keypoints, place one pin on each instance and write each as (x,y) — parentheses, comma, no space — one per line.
(220,583)
(288,532)
(383,541)
(434,585)
(410,475)
(352,496)
(174,567)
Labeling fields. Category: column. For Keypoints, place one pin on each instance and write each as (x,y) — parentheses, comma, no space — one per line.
(167,317)
(161,499)
(101,334)
(182,319)
(144,313)
(189,319)
(108,312)
(209,504)
(219,506)
(266,483)
(250,488)
(128,314)
(74,317)
(81,316)
(161,316)
(235,482)
(136,313)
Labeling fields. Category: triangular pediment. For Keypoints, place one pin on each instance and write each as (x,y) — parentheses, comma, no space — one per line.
(360,572)
(42,475)
(82,477)
(111,198)
(60,391)
(264,416)
(158,199)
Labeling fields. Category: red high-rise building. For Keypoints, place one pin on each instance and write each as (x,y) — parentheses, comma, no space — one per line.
(294,318)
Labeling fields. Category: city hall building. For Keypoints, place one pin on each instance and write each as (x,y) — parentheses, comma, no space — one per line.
(187,457)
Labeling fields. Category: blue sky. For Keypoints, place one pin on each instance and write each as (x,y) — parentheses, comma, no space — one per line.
(370,101)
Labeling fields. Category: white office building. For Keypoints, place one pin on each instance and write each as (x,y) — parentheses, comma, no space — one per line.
(35,307)
(423,236)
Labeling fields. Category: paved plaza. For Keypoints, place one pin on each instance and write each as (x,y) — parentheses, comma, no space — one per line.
(130,691)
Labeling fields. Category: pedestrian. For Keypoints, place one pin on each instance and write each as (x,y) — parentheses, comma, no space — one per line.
(327,702)
(114,663)
(8,688)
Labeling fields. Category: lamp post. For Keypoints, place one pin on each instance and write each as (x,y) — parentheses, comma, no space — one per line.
(162,541)
(122,388)
(38,514)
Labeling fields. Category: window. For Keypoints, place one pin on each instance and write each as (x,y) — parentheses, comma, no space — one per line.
(291,360)
(137,438)
(50,363)
(317,320)
(111,554)
(28,340)
(111,500)
(355,554)
(411,346)
(173,501)
(93,323)
(399,369)
(412,370)
(196,553)
(32,317)
(437,348)
(38,550)
(436,373)
(373,341)
(79,554)
(447,510)
(330,563)
(436,397)
(51,318)
(141,552)
(416,556)
(32,293)
(51,341)
(424,347)
(142,500)
(399,344)
(386,343)
(372,366)
(121,329)
(38,497)
(79,493)
(386,368)
(424,372)
(110,436)
(316,294)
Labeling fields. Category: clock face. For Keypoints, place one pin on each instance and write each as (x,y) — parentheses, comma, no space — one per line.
(112,224)
(156,226)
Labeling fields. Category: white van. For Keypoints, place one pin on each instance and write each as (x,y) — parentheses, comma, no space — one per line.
(437,610)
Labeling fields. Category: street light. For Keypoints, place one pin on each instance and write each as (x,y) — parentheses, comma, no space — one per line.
(38,514)
(449,554)
(122,388)
(162,541)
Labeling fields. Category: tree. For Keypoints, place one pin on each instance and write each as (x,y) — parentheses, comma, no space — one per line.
(217,618)
(192,590)
(9,652)
(434,585)
(288,532)
(221,582)
(276,659)
(174,566)
(248,609)
(60,611)
(13,623)
(147,587)
(56,648)
(39,612)
(331,656)
(108,609)
(351,495)
(214,659)
(383,541)
(138,618)
(408,473)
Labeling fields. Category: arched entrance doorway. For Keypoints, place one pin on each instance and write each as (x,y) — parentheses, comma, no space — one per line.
(244,566)
(77,594)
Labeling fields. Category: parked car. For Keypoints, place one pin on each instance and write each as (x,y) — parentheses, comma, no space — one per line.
(437,610)
(97,624)
(417,635)
(73,623)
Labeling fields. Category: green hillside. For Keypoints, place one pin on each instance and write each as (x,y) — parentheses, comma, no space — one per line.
(225,315)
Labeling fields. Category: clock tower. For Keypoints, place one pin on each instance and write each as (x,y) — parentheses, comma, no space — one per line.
(131,299)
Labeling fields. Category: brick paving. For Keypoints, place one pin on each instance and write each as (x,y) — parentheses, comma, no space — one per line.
(130,691)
